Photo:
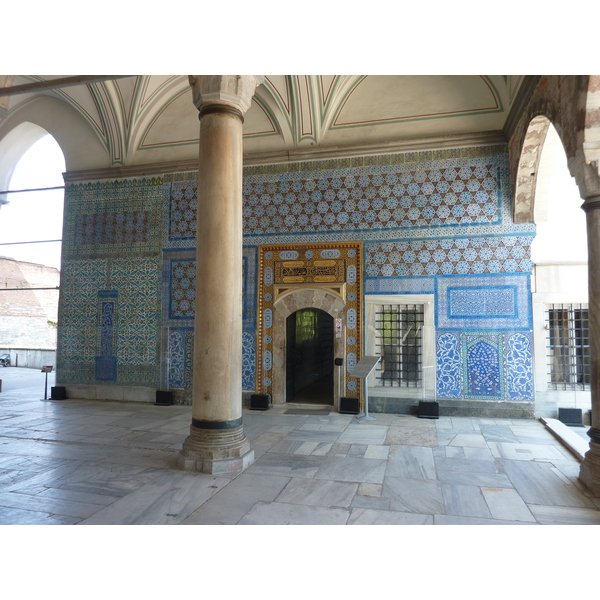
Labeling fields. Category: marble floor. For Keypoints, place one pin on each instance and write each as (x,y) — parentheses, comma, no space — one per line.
(91,462)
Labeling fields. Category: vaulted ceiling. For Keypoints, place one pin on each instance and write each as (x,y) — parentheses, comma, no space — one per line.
(141,120)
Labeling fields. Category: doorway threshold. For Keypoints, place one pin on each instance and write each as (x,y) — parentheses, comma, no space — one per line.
(312,409)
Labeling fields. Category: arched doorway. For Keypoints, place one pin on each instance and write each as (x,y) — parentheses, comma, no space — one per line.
(309,356)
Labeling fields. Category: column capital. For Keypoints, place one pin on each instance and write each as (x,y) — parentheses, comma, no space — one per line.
(235,91)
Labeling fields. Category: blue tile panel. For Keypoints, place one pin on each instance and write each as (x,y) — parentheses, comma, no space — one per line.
(436,222)
(483,302)
(460,192)
(103,217)
(485,365)
(451,256)
(129,327)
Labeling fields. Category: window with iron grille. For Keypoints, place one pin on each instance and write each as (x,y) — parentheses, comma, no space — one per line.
(568,347)
(400,344)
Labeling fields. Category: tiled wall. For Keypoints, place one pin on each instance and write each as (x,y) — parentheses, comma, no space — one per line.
(430,222)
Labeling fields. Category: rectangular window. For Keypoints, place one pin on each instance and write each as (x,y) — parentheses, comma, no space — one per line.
(400,344)
(568,346)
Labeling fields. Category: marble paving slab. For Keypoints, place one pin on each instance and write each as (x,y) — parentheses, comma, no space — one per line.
(495,480)
(469,440)
(411,437)
(363,434)
(465,465)
(464,501)
(457,520)
(560,515)
(365,516)
(525,452)
(506,504)
(17,516)
(318,492)
(38,503)
(412,462)
(497,433)
(538,484)
(229,504)
(352,469)
(371,502)
(103,478)
(292,465)
(276,513)
(414,495)
(167,500)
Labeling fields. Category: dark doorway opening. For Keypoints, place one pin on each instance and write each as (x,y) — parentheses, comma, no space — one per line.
(309,357)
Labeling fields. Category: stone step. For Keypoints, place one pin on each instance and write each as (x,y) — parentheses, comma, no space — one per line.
(575,443)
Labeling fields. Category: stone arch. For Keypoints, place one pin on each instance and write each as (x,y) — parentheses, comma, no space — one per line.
(557,99)
(283,307)
(527,169)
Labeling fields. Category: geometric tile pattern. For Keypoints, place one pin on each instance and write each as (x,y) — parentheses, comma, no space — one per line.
(449,195)
(399,285)
(455,256)
(183,289)
(183,207)
(501,302)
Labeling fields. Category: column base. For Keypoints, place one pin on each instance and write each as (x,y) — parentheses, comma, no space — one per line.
(216,451)
(589,473)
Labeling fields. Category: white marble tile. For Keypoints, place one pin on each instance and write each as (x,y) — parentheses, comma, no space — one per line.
(365,516)
(469,440)
(412,462)
(414,495)
(318,492)
(363,434)
(506,504)
(352,469)
(525,452)
(478,454)
(380,452)
(229,504)
(306,448)
(561,515)
(166,500)
(457,520)
(276,513)
(465,501)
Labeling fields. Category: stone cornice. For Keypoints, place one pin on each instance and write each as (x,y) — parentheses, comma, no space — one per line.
(296,155)
(520,103)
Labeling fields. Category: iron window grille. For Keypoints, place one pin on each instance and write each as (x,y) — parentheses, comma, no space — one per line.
(568,347)
(400,344)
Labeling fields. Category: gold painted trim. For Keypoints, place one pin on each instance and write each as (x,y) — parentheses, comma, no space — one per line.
(281,290)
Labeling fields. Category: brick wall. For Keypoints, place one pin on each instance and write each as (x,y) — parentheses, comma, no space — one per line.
(27,316)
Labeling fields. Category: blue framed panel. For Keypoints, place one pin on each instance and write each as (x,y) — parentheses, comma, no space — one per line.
(483,302)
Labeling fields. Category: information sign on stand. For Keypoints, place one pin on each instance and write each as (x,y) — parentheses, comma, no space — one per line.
(362,371)
(46,370)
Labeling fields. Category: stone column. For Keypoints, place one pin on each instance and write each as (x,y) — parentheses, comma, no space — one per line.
(590,468)
(217,443)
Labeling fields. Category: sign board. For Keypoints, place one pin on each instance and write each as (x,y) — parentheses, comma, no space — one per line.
(46,369)
(365,366)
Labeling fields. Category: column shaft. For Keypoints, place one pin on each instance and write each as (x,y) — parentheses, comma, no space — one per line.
(217,442)
(590,468)
(218,332)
